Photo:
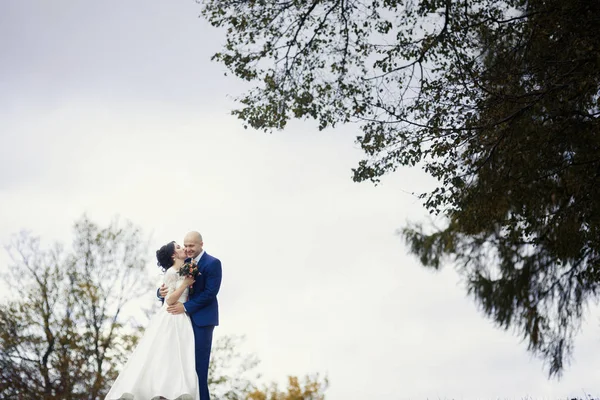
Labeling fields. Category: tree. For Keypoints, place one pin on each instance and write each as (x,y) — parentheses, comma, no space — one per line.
(229,369)
(498,100)
(62,334)
(313,389)
(228,377)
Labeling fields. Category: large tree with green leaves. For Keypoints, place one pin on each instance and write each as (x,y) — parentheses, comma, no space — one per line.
(498,100)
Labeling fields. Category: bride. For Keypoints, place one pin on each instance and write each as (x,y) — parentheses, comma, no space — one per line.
(163,364)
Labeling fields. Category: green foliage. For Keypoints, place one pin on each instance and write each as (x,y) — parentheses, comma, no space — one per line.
(61,333)
(498,100)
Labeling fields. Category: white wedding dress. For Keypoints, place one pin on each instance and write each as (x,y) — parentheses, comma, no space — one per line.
(163,363)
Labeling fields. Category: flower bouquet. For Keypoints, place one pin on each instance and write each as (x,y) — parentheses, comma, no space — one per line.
(189,269)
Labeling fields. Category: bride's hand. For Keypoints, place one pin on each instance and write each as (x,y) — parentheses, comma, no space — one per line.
(189,281)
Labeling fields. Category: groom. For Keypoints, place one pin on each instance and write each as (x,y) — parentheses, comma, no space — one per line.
(202,306)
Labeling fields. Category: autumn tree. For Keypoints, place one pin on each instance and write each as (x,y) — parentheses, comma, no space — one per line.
(62,332)
(313,388)
(231,373)
(232,376)
(498,100)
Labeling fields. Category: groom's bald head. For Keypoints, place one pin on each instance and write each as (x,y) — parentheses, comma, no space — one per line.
(193,244)
(193,236)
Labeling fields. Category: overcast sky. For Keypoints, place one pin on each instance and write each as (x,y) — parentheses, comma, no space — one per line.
(114,108)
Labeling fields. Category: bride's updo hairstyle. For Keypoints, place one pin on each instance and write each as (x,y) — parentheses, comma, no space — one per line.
(164,255)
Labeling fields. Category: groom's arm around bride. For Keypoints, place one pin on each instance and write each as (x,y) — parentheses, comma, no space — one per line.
(202,305)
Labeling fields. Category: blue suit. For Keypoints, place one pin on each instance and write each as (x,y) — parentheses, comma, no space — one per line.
(203,309)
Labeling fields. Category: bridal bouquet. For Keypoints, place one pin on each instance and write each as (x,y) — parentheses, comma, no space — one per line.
(189,269)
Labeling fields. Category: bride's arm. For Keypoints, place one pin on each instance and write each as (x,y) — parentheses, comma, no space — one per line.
(174,296)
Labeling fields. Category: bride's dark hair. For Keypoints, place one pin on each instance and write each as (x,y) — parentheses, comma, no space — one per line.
(164,255)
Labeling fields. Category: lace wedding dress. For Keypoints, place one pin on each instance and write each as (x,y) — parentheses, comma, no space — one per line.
(163,364)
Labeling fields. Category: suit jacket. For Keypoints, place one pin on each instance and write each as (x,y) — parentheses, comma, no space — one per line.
(202,305)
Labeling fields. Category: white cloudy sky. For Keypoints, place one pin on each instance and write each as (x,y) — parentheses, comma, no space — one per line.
(114,108)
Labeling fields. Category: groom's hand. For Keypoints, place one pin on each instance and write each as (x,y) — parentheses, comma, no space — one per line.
(163,291)
(176,308)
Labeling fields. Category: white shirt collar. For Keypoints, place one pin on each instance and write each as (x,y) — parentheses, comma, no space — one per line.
(199,256)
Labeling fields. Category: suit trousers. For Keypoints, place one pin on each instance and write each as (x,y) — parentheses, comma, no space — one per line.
(203,342)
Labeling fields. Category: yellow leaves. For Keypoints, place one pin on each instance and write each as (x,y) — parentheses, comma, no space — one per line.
(312,388)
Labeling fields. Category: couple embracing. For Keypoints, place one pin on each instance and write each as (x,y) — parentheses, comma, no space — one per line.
(171,360)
